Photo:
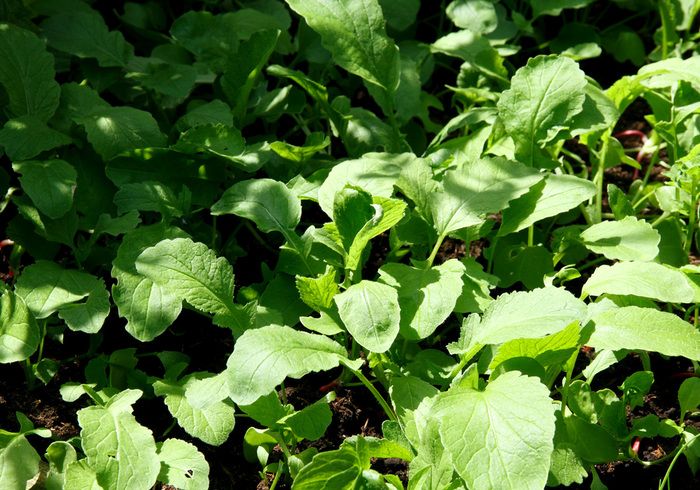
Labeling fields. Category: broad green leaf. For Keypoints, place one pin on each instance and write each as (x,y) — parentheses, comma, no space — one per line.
(26,136)
(689,396)
(60,456)
(218,140)
(264,357)
(182,466)
(203,393)
(311,422)
(27,74)
(80,476)
(120,450)
(212,113)
(494,438)
(170,79)
(212,424)
(46,288)
(241,73)
(480,187)
(85,35)
(19,461)
(150,196)
(19,333)
(426,296)
(370,311)
(400,14)
(554,195)
(192,271)
(383,448)
(476,15)
(354,32)
(628,239)
(476,50)
(266,202)
(543,98)
(412,398)
(375,173)
(646,279)
(549,350)
(148,308)
(340,470)
(593,443)
(318,292)
(529,315)
(50,184)
(211,38)
(635,328)
(554,7)
(315,142)
(76,101)
(599,112)
(114,130)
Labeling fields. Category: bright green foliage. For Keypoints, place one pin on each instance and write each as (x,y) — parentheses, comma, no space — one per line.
(120,451)
(182,466)
(47,288)
(542,99)
(19,461)
(647,279)
(19,333)
(212,424)
(529,315)
(192,271)
(476,429)
(632,327)
(628,239)
(370,311)
(426,296)
(264,357)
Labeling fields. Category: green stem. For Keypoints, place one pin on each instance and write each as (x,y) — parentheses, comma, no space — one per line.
(435,250)
(692,216)
(259,238)
(385,406)
(598,180)
(565,390)
(531,236)
(277,478)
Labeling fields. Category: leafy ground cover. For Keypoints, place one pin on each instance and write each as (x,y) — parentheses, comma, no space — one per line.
(350,244)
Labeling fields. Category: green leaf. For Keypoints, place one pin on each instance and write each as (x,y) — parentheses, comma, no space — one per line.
(182,466)
(46,288)
(240,75)
(212,113)
(619,203)
(114,130)
(60,456)
(211,38)
(318,292)
(79,476)
(400,14)
(19,461)
(370,311)
(495,440)
(311,422)
(119,450)
(266,202)
(354,32)
(628,239)
(529,315)
(635,328)
(476,15)
(480,187)
(221,141)
(646,279)
(375,173)
(476,50)
(554,195)
(212,424)
(689,396)
(426,296)
(340,470)
(19,333)
(148,308)
(192,271)
(169,79)
(50,184)
(27,74)
(554,7)
(593,443)
(26,136)
(264,357)
(543,97)
(85,35)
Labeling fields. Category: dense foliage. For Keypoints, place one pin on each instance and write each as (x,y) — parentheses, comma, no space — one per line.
(293,173)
